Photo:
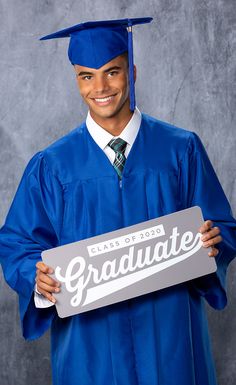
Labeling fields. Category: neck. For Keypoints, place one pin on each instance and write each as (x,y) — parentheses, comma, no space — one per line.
(114,124)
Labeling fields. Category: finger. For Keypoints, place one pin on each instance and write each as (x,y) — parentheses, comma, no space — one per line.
(41,277)
(210,234)
(41,286)
(212,241)
(44,268)
(48,296)
(214,252)
(207,225)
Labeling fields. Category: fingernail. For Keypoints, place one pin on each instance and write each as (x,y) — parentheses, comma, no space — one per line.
(50,271)
(57,290)
(53,300)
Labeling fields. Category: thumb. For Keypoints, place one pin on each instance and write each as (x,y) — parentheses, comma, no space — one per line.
(44,268)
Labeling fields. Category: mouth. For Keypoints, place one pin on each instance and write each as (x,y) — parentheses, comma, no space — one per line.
(104,101)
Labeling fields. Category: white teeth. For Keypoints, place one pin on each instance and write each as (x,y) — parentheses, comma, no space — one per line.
(101,100)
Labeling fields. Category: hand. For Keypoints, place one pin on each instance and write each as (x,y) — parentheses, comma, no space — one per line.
(210,237)
(45,284)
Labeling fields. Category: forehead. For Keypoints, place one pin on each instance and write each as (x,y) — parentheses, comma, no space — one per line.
(119,61)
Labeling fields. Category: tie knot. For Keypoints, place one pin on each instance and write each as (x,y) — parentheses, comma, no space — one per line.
(118,145)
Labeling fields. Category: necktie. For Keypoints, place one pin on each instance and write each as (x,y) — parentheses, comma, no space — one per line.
(118,145)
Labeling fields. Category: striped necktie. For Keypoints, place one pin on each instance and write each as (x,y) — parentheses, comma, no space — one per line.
(118,145)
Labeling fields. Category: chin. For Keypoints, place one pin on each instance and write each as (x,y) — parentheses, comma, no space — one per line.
(104,112)
(104,115)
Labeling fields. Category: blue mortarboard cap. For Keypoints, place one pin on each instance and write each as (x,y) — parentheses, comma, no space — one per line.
(95,43)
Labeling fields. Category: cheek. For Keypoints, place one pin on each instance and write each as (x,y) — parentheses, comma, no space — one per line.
(83,89)
(120,85)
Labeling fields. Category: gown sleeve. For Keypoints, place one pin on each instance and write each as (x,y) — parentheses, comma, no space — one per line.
(201,187)
(32,225)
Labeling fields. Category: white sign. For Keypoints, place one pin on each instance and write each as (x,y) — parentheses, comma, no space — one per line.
(129,262)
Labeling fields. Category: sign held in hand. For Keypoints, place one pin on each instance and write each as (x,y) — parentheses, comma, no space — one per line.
(130,262)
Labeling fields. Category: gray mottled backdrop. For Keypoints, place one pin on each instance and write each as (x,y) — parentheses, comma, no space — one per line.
(186,75)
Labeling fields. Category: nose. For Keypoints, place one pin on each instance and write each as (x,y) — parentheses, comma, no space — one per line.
(100,84)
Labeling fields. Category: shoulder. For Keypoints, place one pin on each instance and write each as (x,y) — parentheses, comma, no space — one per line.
(169,136)
(66,143)
(164,128)
(59,155)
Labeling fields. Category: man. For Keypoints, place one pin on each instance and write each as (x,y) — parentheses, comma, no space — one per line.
(119,168)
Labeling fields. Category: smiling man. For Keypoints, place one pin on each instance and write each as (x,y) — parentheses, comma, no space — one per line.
(106,92)
(118,168)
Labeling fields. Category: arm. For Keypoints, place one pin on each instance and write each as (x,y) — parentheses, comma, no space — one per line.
(200,186)
(32,225)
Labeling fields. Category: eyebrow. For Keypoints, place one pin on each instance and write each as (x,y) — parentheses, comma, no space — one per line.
(84,73)
(112,68)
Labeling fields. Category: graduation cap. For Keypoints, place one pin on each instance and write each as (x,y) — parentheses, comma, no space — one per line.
(95,43)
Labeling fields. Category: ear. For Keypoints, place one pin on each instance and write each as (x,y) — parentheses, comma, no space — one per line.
(135,72)
(76,72)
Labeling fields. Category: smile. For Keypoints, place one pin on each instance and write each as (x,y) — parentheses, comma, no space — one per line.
(101,100)
(104,101)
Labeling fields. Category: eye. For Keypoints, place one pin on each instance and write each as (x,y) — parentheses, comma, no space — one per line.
(87,77)
(113,73)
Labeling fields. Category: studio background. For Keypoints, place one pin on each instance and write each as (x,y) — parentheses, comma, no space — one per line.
(186,61)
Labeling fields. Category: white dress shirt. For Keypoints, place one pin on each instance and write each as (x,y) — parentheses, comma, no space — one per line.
(102,138)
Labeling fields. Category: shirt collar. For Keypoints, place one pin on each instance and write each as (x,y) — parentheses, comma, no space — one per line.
(102,137)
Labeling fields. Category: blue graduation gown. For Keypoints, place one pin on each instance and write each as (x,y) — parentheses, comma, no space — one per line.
(69,192)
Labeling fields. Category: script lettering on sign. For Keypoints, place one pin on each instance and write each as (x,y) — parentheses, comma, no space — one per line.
(137,264)
(130,262)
